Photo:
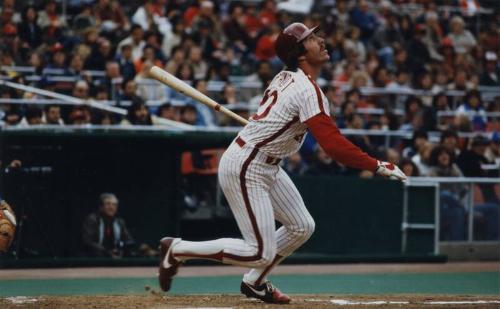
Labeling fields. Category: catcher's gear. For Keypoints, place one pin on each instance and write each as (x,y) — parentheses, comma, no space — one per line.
(7,226)
(390,170)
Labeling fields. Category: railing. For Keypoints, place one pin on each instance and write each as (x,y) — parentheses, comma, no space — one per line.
(437,183)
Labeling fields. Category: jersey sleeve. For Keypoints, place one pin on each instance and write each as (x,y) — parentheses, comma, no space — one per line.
(337,146)
(313,102)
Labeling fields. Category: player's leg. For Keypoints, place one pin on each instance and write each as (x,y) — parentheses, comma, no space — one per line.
(247,191)
(298,225)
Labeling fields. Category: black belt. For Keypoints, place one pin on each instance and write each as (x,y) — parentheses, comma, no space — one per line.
(269,159)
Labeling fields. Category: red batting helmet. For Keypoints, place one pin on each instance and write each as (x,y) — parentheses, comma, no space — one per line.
(287,42)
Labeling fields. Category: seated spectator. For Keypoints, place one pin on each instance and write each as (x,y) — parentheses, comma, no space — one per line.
(461,38)
(29,31)
(129,91)
(189,114)
(101,54)
(147,88)
(104,234)
(148,54)
(294,165)
(418,139)
(441,163)
(138,114)
(200,67)
(409,168)
(124,59)
(322,164)
(33,116)
(167,111)
(421,159)
(228,94)
(51,23)
(491,74)
(136,40)
(470,160)
(52,115)
(473,108)
(450,141)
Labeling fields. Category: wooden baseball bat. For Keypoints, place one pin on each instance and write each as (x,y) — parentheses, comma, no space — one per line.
(173,82)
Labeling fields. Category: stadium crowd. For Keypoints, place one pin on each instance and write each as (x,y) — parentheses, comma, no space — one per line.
(429,66)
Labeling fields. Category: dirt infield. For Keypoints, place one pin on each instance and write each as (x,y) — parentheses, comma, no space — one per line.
(236,301)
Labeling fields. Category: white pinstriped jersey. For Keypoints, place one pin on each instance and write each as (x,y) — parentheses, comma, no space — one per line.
(278,127)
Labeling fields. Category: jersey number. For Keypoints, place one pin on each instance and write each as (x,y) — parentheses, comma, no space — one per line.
(266,104)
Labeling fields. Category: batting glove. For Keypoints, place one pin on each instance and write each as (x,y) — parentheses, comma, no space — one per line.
(390,170)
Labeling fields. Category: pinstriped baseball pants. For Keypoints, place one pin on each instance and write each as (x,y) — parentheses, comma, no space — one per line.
(258,194)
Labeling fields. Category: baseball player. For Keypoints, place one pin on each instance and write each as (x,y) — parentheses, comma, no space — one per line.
(257,189)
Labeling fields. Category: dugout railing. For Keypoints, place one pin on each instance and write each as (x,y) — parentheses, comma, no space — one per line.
(464,199)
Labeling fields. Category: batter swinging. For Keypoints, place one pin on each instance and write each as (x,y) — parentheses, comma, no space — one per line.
(257,189)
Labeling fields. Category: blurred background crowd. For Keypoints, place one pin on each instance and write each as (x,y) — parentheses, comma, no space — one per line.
(400,70)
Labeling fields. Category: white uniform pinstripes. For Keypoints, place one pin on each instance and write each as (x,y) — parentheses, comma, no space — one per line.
(258,192)
(297,97)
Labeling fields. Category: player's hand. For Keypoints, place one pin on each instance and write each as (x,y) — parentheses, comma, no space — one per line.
(390,170)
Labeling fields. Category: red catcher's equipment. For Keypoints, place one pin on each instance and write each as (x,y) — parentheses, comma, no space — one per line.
(289,39)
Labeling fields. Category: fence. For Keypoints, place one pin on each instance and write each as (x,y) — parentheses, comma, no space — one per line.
(463,214)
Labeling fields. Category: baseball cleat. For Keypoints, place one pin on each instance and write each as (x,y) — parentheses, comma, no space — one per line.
(265,292)
(168,264)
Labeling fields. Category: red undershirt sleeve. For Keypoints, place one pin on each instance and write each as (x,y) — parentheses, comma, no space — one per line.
(337,146)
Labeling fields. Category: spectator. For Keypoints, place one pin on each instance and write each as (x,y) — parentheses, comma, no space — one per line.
(322,164)
(149,89)
(178,57)
(450,141)
(205,115)
(136,40)
(29,31)
(129,91)
(470,160)
(189,114)
(111,18)
(418,50)
(294,165)
(228,95)
(441,162)
(33,116)
(50,22)
(138,114)
(418,139)
(167,111)
(148,54)
(460,37)
(101,54)
(52,115)
(491,74)
(364,20)
(413,114)
(104,234)
(199,66)
(452,213)
(81,90)
(409,168)
(421,159)
(12,117)
(473,108)
(124,59)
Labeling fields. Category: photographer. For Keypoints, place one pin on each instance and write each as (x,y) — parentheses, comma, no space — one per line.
(104,234)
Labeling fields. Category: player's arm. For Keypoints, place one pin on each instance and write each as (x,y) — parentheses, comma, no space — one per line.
(342,150)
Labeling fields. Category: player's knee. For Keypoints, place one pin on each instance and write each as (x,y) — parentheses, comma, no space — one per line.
(304,231)
(309,228)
